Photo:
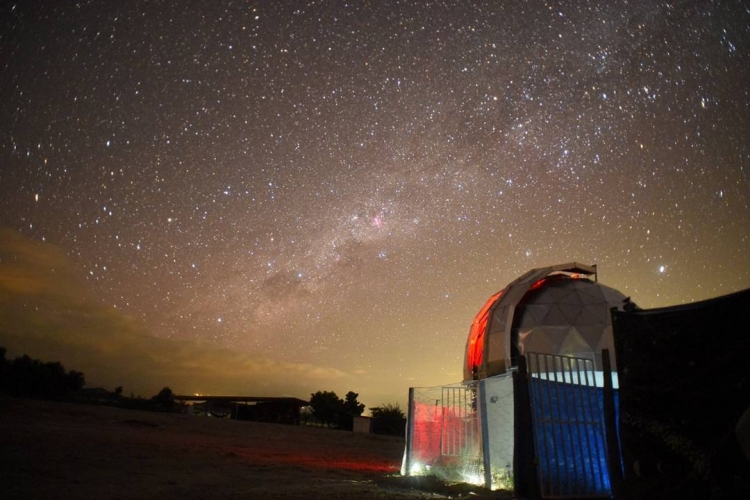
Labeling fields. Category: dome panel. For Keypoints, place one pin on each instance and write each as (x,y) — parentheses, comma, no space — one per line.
(589,296)
(573,344)
(593,333)
(543,340)
(572,299)
(554,317)
(593,315)
(534,313)
(571,313)
(550,294)
(534,340)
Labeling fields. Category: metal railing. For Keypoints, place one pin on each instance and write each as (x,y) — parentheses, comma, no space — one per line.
(459,433)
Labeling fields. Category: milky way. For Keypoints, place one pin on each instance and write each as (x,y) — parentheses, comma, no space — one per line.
(345,183)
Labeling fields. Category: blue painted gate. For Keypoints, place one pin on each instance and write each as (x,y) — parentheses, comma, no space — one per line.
(567,413)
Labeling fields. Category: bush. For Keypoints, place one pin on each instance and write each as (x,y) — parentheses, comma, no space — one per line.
(388,419)
(164,401)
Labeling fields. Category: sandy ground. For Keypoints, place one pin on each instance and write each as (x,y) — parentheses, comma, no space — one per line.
(71,451)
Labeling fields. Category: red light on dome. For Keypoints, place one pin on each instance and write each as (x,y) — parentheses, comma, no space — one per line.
(538,284)
(475,349)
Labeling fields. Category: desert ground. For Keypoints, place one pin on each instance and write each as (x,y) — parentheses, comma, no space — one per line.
(65,451)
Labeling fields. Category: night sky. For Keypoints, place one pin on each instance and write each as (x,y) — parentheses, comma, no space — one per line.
(280,197)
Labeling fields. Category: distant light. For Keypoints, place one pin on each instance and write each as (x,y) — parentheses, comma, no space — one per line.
(218,319)
(662,269)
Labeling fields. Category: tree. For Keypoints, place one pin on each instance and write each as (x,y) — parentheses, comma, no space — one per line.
(327,407)
(31,378)
(388,419)
(164,401)
(351,408)
(75,380)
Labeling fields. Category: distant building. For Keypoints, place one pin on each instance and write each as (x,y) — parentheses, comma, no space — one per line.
(97,395)
(277,410)
(362,425)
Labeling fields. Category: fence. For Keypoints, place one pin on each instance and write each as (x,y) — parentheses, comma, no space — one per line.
(447,438)
(567,416)
(459,435)
(545,431)
(441,436)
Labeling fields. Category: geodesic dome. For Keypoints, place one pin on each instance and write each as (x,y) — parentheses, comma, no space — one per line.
(551,310)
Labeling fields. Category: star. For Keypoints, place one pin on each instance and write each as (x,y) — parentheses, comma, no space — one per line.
(331,186)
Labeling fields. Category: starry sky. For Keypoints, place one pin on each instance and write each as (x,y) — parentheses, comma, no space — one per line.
(280,197)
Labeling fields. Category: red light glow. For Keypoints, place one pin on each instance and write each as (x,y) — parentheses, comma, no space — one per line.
(476,335)
(538,284)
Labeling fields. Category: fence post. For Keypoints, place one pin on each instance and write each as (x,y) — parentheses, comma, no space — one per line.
(484,432)
(525,473)
(409,434)
(614,462)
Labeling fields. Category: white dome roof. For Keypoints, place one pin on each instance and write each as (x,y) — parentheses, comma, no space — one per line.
(553,310)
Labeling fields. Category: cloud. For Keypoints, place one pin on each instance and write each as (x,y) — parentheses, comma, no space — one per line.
(48,312)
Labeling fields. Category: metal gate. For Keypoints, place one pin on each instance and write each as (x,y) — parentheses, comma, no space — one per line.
(567,416)
(459,434)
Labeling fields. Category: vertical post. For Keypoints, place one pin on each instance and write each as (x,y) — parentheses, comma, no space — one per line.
(409,434)
(610,424)
(525,472)
(485,432)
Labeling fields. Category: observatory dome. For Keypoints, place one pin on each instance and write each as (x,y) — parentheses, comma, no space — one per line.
(551,310)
